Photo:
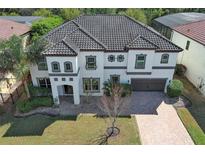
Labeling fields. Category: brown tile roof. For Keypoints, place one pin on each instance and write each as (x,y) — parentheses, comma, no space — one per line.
(195,31)
(9,28)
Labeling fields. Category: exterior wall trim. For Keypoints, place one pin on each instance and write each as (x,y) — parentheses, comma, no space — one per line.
(139,73)
(115,67)
(163,67)
(65,74)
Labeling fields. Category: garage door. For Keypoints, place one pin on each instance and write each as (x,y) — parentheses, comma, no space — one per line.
(148,84)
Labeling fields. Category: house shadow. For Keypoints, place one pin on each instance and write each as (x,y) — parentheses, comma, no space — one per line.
(31,126)
(139,103)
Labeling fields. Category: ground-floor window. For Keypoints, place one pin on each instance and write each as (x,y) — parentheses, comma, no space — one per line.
(91,84)
(44,82)
(115,79)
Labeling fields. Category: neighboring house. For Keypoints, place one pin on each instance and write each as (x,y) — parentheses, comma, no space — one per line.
(166,23)
(28,20)
(191,37)
(89,50)
(9,28)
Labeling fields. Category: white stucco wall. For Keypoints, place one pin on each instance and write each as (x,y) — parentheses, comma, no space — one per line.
(193,59)
(97,73)
(103,70)
(35,73)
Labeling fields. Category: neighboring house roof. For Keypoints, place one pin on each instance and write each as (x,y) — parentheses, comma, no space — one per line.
(9,28)
(195,31)
(176,19)
(22,19)
(110,33)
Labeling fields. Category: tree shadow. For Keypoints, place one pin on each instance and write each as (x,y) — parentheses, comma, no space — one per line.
(30,126)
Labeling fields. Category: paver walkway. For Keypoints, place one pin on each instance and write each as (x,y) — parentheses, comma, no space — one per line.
(162,128)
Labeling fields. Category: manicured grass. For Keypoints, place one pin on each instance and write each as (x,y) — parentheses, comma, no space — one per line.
(83,129)
(28,105)
(191,125)
(197,108)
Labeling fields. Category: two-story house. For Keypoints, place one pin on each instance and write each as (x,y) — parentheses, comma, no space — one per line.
(89,50)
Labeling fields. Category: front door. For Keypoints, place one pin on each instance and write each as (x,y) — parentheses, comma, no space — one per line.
(68,90)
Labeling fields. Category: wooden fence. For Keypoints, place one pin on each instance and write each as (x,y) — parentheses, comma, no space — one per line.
(15,92)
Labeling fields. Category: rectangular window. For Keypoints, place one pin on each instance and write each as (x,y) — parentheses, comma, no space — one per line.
(44,82)
(91,85)
(42,64)
(90,62)
(115,79)
(164,58)
(187,45)
(140,61)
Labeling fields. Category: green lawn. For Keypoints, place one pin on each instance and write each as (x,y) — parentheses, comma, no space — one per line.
(193,117)
(191,125)
(84,129)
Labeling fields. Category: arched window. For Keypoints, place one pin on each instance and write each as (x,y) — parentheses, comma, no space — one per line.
(164,58)
(55,66)
(111,58)
(68,66)
(120,58)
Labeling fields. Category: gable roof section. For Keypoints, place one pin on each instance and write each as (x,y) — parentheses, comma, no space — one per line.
(141,43)
(195,31)
(62,49)
(9,28)
(110,33)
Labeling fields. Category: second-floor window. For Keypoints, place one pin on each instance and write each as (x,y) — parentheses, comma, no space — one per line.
(187,45)
(91,62)
(164,58)
(42,64)
(140,61)
(55,66)
(68,66)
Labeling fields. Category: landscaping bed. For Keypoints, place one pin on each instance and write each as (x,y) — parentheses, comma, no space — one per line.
(28,105)
(83,129)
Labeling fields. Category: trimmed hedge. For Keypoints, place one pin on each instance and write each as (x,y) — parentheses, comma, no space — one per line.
(39,91)
(1,110)
(175,88)
(28,105)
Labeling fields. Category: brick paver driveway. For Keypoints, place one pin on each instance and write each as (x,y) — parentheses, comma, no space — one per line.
(162,127)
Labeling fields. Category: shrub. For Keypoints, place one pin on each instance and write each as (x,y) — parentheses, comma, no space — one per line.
(180,69)
(1,110)
(39,91)
(126,88)
(28,105)
(175,88)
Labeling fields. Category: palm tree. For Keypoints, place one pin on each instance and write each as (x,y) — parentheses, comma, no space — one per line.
(13,59)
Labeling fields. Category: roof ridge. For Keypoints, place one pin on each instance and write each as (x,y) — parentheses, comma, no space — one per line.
(149,41)
(57,28)
(142,25)
(89,34)
(188,23)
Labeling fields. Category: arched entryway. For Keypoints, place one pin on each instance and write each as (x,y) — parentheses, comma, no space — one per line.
(65,93)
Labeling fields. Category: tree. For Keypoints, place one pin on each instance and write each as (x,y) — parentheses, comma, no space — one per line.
(13,59)
(34,51)
(43,12)
(94,11)
(69,14)
(112,106)
(43,26)
(137,14)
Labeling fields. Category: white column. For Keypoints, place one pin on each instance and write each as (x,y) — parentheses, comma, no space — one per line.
(55,94)
(76,93)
